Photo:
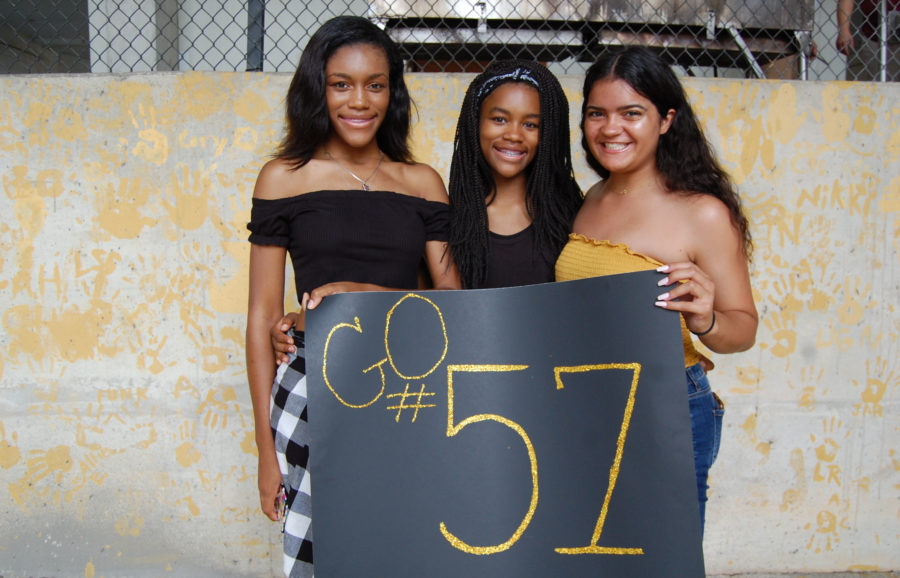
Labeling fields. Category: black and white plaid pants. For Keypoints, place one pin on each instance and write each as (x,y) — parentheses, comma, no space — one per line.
(288,420)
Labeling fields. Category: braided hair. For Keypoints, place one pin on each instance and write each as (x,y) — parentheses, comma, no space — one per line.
(683,156)
(552,196)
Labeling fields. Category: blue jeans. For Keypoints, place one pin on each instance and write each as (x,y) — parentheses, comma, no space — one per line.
(706,426)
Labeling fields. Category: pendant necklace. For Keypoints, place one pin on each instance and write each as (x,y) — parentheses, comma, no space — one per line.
(622,192)
(364,182)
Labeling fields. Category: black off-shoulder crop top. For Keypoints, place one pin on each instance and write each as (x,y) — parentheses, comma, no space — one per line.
(350,235)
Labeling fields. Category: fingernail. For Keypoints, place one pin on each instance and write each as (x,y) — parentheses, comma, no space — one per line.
(663,281)
(663,304)
(662,269)
(663,297)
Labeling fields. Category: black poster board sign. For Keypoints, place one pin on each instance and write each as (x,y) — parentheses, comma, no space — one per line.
(528,431)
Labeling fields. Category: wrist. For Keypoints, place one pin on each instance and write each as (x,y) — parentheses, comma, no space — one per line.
(710,328)
(265,444)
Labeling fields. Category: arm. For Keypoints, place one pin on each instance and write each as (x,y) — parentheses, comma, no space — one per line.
(264,309)
(713,289)
(441,268)
(844,42)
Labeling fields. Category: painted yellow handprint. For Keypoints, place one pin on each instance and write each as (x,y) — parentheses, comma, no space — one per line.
(851,310)
(783,119)
(785,295)
(9,452)
(825,534)
(218,404)
(816,281)
(187,454)
(827,469)
(10,137)
(41,103)
(189,199)
(810,377)
(742,138)
(781,339)
(119,208)
(877,382)
(153,146)
(54,462)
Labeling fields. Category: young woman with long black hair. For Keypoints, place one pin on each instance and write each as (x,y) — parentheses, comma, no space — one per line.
(344,199)
(513,194)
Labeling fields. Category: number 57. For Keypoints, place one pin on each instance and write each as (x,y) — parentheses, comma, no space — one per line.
(454,428)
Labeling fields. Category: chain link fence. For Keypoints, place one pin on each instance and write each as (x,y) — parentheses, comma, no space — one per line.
(853,39)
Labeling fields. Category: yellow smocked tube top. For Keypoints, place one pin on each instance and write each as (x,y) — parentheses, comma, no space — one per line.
(583,257)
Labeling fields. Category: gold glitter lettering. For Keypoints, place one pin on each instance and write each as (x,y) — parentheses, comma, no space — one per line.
(356,326)
(415,406)
(452,430)
(387,330)
(617,461)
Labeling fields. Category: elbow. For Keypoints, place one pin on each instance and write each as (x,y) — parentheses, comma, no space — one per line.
(750,340)
(747,344)
(745,336)
(734,344)
(259,322)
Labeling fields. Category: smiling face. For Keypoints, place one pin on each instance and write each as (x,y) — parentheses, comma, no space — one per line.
(622,127)
(509,129)
(357,94)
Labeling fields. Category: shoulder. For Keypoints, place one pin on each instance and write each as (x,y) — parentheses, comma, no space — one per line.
(595,192)
(707,211)
(274,180)
(425,182)
(281,178)
(710,220)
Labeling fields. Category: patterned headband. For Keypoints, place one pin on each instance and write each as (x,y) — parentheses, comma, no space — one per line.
(517,75)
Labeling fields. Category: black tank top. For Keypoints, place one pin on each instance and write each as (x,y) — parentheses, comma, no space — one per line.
(513,261)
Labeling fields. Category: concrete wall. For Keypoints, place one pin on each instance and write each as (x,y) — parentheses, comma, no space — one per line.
(126,446)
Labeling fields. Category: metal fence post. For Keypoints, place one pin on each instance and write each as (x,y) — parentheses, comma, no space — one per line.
(883,41)
(256,26)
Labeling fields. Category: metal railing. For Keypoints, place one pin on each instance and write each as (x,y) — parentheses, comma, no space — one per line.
(736,38)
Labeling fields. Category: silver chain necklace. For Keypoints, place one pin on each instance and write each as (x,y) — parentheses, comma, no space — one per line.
(364,182)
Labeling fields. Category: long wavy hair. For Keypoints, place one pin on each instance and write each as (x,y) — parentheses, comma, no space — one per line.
(684,156)
(308,123)
(552,196)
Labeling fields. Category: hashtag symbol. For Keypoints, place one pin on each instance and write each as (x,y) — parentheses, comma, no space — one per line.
(413,406)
